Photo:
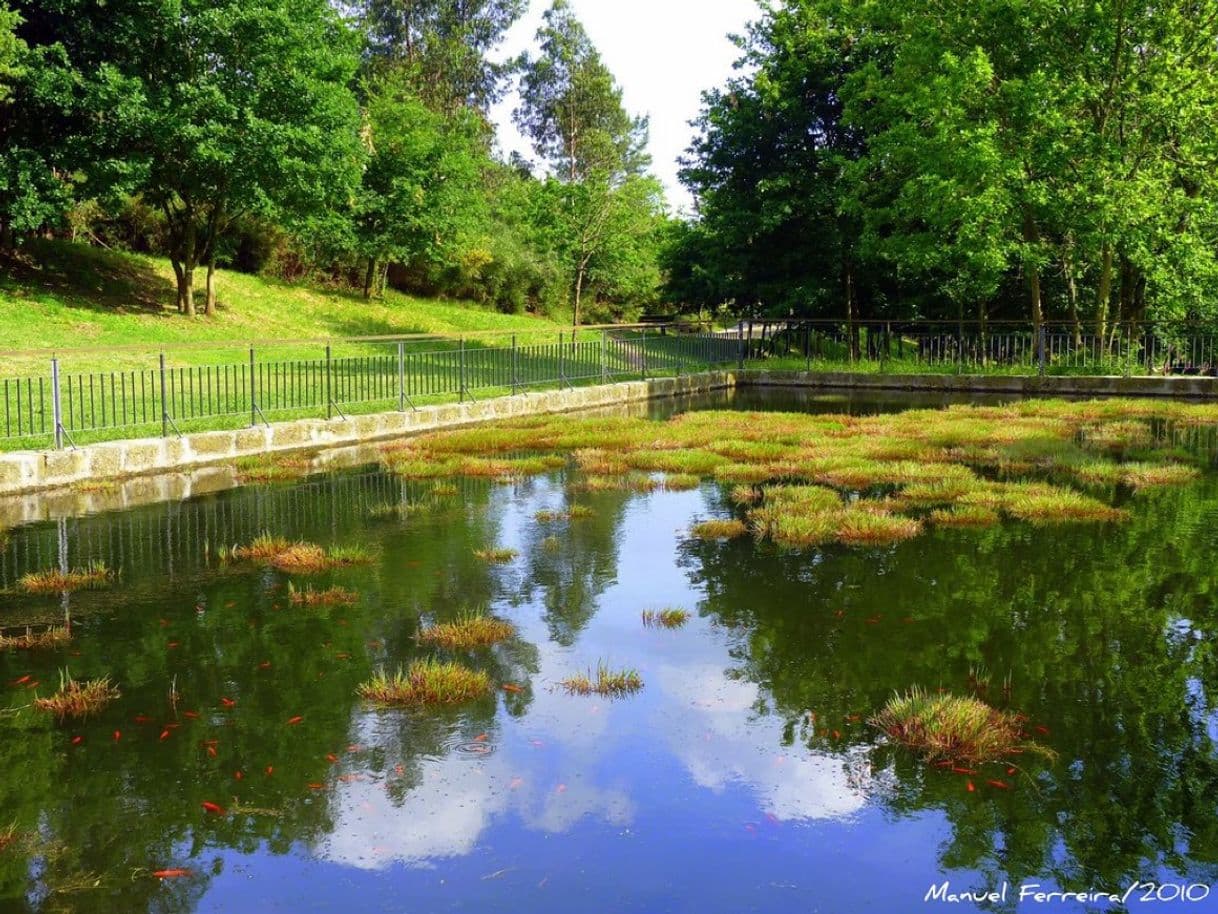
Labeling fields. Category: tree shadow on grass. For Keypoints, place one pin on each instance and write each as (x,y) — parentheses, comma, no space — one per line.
(81,276)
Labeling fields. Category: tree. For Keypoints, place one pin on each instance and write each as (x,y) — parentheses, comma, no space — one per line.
(212,110)
(442,46)
(420,187)
(571,108)
(11,50)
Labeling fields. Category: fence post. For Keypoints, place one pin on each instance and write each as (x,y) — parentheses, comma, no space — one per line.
(1129,349)
(329,390)
(604,365)
(1040,348)
(253,392)
(462,395)
(56,412)
(164,406)
(644,353)
(887,346)
(514,357)
(562,378)
(740,344)
(401,376)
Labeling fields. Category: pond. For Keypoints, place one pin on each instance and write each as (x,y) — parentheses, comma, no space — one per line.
(743,776)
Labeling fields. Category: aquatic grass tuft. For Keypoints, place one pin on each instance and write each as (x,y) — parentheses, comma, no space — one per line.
(861,527)
(426,682)
(496,556)
(604,681)
(744,495)
(49,639)
(665,618)
(470,631)
(300,557)
(260,468)
(332,596)
(964,516)
(1059,506)
(78,699)
(93,576)
(945,727)
(575,512)
(681,482)
(719,529)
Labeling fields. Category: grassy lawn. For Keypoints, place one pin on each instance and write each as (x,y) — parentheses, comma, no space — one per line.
(63,295)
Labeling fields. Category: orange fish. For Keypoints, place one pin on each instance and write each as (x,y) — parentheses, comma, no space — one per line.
(1001,785)
(213,808)
(963,770)
(1042,729)
(945,763)
(118,734)
(191,715)
(175,873)
(509,687)
(837,734)
(77,740)
(142,719)
(228,703)
(165,734)
(211,751)
(174,644)
(293,721)
(237,775)
(34,684)
(317,786)
(1010,771)
(264,665)
(269,770)
(481,738)
(22,681)
(332,758)
(971,788)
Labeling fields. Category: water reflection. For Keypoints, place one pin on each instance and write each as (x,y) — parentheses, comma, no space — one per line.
(744,768)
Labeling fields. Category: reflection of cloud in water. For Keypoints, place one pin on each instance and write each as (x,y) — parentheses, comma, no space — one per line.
(457,797)
(719,742)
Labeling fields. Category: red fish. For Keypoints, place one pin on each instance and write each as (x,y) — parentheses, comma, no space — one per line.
(509,687)
(77,740)
(238,775)
(211,751)
(293,721)
(191,715)
(332,758)
(228,703)
(35,684)
(264,665)
(174,645)
(971,788)
(945,763)
(837,734)
(1042,729)
(118,734)
(22,681)
(317,786)
(165,734)
(963,770)
(269,770)
(1001,785)
(175,873)
(1010,771)
(142,719)
(213,808)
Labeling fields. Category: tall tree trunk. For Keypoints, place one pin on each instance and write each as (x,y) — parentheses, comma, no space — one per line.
(209,308)
(179,276)
(186,275)
(1031,235)
(370,277)
(579,291)
(1103,291)
(852,329)
(1076,323)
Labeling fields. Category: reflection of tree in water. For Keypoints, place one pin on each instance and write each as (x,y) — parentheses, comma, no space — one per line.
(572,562)
(1108,635)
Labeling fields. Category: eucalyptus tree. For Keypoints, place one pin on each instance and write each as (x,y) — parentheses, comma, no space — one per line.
(571,108)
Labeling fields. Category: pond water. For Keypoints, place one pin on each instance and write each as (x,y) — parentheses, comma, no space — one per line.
(743,777)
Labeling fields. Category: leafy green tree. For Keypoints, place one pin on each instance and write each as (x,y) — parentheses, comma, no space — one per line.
(442,45)
(212,110)
(420,187)
(11,50)
(571,108)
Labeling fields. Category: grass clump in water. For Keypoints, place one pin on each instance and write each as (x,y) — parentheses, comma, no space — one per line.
(93,576)
(607,682)
(271,468)
(300,557)
(333,596)
(53,637)
(575,512)
(682,482)
(862,527)
(496,556)
(470,631)
(426,682)
(1046,505)
(950,728)
(964,516)
(78,699)
(719,529)
(665,618)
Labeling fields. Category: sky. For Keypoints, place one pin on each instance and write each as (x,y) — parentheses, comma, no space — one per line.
(663,53)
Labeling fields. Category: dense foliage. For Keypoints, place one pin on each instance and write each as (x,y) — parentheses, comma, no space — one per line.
(348,141)
(1019,160)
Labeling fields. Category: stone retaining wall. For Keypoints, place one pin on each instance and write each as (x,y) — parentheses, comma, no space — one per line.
(27,471)
(1052,385)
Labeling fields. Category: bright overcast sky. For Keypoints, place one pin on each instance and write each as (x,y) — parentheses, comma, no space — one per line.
(664,53)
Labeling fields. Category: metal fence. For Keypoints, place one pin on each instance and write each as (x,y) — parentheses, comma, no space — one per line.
(997,347)
(65,405)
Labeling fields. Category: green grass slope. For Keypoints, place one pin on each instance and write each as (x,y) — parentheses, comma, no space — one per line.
(61,295)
